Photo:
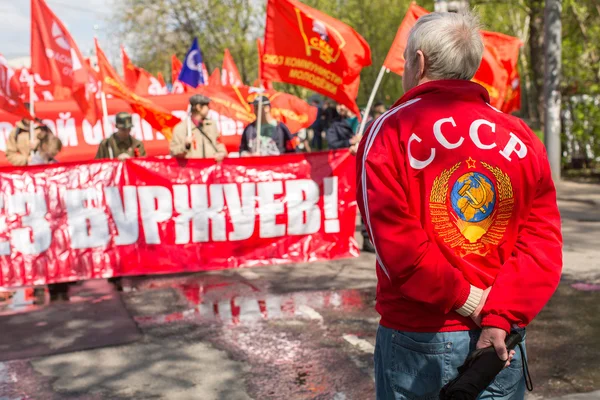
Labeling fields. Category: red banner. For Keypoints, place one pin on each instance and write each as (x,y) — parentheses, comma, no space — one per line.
(153,216)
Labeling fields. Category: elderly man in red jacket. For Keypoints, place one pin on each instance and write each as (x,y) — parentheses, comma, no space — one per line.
(460,205)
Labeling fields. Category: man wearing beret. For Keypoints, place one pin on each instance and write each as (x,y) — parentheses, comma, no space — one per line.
(198,136)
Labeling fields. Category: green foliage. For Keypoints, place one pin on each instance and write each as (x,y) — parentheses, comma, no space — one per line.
(581,47)
(155,29)
(582,127)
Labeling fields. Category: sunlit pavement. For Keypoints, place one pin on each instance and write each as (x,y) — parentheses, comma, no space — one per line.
(279,332)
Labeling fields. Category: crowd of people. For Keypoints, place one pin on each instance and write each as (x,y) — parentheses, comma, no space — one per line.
(198,136)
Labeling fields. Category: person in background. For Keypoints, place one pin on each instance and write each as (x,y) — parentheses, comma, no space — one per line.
(121,145)
(203,140)
(342,135)
(317,127)
(342,132)
(47,151)
(275,137)
(19,147)
(378,110)
(303,143)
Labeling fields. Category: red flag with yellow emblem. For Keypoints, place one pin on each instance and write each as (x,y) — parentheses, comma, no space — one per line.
(306,47)
(158,117)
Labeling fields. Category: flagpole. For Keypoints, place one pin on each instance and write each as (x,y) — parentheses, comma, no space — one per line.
(102,97)
(104,112)
(189,121)
(363,123)
(31,106)
(260,105)
(259,123)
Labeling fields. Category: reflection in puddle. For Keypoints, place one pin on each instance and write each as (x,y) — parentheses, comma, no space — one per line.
(23,299)
(239,302)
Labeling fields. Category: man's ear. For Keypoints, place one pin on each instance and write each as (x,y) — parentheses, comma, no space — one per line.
(421,60)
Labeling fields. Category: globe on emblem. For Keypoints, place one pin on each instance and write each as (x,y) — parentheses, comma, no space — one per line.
(473,197)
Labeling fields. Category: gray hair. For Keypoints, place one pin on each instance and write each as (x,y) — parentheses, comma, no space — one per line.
(450,42)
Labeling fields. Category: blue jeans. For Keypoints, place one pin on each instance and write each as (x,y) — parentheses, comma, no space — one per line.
(415,366)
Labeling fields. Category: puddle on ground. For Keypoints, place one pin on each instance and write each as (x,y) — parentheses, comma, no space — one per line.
(586,287)
(229,301)
(23,300)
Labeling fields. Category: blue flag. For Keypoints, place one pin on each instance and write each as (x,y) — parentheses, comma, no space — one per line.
(191,72)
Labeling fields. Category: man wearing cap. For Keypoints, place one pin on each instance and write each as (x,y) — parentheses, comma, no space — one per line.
(275,137)
(198,136)
(121,145)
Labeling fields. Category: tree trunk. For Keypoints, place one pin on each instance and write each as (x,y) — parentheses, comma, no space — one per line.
(552,52)
(536,56)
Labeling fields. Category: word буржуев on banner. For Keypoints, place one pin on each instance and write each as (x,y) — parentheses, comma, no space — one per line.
(146,216)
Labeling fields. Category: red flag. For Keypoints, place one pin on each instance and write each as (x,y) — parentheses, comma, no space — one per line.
(498,71)
(43,90)
(234,102)
(205,75)
(10,91)
(131,73)
(148,85)
(56,57)
(158,117)
(215,78)
(507,52)
(229,101)
(294,112)
(161,80)
(229,72)
(176,65)
(305,47)
(492,76)
(263,83)
(395,57)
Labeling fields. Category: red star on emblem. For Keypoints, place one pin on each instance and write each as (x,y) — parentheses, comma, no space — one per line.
(471,163)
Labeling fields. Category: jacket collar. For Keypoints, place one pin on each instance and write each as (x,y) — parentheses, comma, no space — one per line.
(454,88)
(22,125)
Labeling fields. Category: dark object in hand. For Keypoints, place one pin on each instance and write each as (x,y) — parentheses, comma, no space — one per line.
(478,372)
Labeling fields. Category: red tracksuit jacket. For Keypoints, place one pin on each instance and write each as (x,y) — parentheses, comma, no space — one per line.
(455,193)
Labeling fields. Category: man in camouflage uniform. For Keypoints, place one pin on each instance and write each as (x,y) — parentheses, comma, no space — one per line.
(121,145)
(197,136)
